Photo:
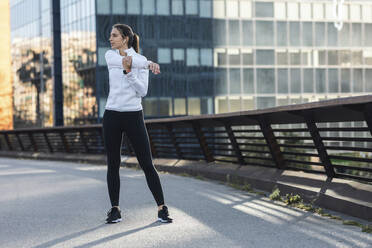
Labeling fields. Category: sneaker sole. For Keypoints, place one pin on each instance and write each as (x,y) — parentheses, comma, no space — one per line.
(114,221)
(164,221)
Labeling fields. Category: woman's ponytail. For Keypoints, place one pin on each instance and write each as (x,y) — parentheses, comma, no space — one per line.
(135,42)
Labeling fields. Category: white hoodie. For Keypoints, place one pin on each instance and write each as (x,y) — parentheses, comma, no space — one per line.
(126,90)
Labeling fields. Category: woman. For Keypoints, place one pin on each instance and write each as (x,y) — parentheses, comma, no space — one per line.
(128,78)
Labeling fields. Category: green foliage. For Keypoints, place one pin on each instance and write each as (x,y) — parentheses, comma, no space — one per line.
(367,228)
(352,223)
(275,195)
(291,199)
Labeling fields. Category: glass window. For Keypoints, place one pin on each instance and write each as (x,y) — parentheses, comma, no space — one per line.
(220,57)
(245,9)
(356,38)
(282,57)
(134,7)
(283,81)
(264,9)
(206,57)
(235,81)
(248,103)
(248,83)
(191,7)
(293,11)
(368,35)
(165,106)
(357,80)
(235,104)
(234,32)
(178,54)
(367,56)
(219,36)
(247,56)
(118,7)
(307,34)
(234,56)
(332,35)
(356,58)
(206,105)
(295,80)
(221,81)
(332,57)
(281,33)
(179,106)
(265,57)
(318,11)
(265,81)
(150,106)
(355,14)
(333,80)
(368,82)
(148,7)
(192,57)
(177,7)
(232,9)
(162,7)
(205,8)
(329,12)
(193,104)
(101,55)
(367,12)
(319,34)
(308,81)
(320,82)
(306,11)
(164,55)
(279,10)
(344,35)
(345,57)
(264,33)
(265,102)
(345,80)
(218,9)
(103,7)
(221,105)
(247,33)
(294,36)
(295,57)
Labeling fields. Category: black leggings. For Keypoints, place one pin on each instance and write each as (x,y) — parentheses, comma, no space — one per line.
(132,123)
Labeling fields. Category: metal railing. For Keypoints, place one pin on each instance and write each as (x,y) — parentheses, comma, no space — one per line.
(331,137)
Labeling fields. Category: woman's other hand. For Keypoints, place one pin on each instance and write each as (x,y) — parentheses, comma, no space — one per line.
(127,63)
(154,67)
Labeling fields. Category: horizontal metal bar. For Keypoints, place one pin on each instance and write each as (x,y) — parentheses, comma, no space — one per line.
(369,169)
(343,129)
(253,144)
(301,154)
(222,149)
(303,162)
(290,130)
(347,139)
(348,148)
(250,138)
(293,138)
(297,146)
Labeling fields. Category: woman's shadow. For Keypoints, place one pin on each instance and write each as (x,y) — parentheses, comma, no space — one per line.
(96,242)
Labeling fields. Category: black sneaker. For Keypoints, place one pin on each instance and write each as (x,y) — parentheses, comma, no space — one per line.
(113,216)
(163,215)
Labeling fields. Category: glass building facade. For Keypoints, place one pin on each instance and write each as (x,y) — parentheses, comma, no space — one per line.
(216,56)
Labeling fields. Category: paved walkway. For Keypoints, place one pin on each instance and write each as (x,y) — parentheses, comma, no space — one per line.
(59,204)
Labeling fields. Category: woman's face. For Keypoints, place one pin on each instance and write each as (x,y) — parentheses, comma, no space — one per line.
(116,40)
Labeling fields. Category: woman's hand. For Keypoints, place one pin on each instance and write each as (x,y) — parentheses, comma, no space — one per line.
(154,67)
(127,63)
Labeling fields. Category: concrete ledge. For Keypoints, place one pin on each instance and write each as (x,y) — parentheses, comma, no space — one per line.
(345,196)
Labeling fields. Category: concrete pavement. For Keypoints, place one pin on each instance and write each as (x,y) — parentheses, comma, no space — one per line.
(63,204)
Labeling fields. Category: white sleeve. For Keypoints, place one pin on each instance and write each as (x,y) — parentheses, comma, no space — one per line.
(139,82)
(113,60)
(140,62)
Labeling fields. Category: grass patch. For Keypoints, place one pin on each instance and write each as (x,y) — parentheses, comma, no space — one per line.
(200,177)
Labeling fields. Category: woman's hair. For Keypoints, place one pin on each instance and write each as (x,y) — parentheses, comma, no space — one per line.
(126,31)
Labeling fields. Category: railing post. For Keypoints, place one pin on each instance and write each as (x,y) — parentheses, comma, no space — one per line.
(64,141)
(8,142)
(368,116)
(48,143)
(274,148)
(318,142)
(20,142)
(203,144)
(82,138)
(174,140)
(234,143)
(30,135)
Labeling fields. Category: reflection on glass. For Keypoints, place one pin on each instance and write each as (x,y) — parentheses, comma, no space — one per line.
(320,81)
(332,80)
(248,103)
(245,9)
(148,7)
(164,56)
(179,106)
(103,7)
(357,80)
(332,35)
(265,81)
(319,34)
(221,81)
(165,106)
(221,105)
(307,34)
(205,8)
(367,12)
(192,57)
(282,57)
(279,10)
(345,58)
(134,7)
(305,11)
(162,7)
(283,81)
(234,104)
(368,78)
(247,56)
(332,57)
(264,9)
(178,54)
(220,57)
(318,10)
(191,7)
(232,9)
(193,105)
(308,85)
(295,57)
(367,56)
(248,83)
(206,57)
(265,57)
(356,58)
(281,33)
(118,7)
(235,81)
(234,32)
(307,58)
(344,35)
(218,9)
(247,33)
(295,80)
(293,12)
(355,14)
(234,56)
(294,38)
(345,80)
(150,106)
(264,33)
(265,102)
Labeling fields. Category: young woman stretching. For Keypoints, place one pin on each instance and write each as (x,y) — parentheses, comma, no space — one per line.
(128,78)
